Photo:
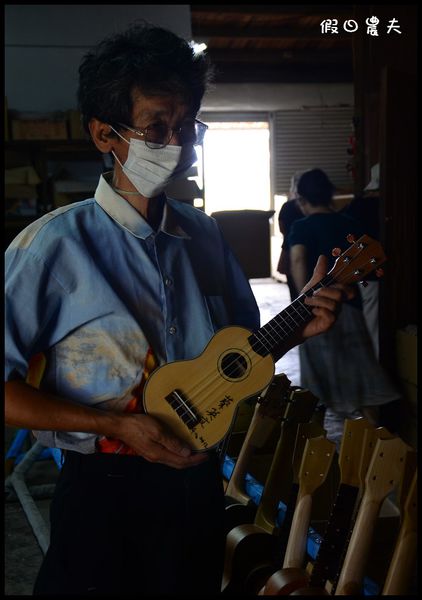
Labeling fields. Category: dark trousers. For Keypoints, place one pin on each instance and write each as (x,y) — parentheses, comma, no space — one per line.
(123,525)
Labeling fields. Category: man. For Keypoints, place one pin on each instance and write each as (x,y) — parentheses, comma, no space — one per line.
(99,293)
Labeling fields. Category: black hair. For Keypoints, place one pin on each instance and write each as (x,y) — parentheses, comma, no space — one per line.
(147,58)
(315,187)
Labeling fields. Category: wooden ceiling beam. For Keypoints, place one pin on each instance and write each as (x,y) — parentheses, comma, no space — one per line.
(255,73)
(314,34)
(272,9)
(281,55)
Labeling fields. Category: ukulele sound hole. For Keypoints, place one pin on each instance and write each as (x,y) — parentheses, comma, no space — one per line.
(234,365)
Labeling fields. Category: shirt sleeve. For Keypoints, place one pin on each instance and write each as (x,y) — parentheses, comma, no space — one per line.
(33,301)
(298,234)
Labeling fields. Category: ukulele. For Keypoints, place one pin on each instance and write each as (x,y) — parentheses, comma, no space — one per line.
(255,578)
(198,398)
(250,544)
(370,437)
(304,431)
(333,539)
(317,459)
(357,445)
(384,474)
(287,455)
(269,409)
(403,561)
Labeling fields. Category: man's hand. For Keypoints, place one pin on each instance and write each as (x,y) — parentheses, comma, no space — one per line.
(149,438)
(325,302)
(30,408)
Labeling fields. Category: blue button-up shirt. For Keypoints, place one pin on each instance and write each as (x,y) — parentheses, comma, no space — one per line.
(94,288)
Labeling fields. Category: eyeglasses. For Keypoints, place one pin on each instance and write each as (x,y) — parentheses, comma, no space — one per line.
(159,135)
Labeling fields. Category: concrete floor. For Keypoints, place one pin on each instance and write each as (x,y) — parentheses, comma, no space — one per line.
(23,555)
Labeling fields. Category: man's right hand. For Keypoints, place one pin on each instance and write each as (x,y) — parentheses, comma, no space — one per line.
(150,438)
(30,408)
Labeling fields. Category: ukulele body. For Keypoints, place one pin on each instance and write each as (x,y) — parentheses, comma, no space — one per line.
(198,398)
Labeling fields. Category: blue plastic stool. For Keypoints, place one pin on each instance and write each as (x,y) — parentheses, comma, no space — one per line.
(14,455)
(18,463)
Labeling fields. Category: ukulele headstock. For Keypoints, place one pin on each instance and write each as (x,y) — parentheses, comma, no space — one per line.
(359,260)
(351,450)
(386,468)
(301,406)
(273,400)
(317,458)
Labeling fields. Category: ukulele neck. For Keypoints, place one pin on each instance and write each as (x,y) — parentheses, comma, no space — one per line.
(270,338)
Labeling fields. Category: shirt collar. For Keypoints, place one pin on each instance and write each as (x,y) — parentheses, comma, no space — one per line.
(128,217)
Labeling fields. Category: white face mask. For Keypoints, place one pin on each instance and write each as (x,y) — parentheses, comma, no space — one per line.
(151,170)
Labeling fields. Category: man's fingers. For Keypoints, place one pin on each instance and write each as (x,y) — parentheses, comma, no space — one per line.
(164,447)
(322,302)
(159,454)
(174,445)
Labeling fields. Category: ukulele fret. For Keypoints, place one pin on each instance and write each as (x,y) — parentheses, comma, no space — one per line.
(268,338)
(181,406)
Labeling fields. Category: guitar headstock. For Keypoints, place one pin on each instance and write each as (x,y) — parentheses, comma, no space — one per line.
(359,260)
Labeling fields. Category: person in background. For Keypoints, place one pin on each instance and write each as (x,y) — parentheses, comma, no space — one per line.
(365,209)
(289,212)
(101,292)
(340,366)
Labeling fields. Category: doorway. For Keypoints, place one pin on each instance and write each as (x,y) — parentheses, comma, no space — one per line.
(236,166)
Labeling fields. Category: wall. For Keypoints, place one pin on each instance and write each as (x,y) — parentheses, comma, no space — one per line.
(45,43)
(276,96)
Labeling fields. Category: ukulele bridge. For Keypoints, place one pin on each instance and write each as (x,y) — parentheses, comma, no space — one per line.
(183,408)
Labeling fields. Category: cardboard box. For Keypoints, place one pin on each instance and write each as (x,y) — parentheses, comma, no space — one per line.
(26,175)
(75,126)
(20,190)
(39,129)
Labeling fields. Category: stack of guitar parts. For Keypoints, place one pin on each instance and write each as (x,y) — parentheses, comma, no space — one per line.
(277,543)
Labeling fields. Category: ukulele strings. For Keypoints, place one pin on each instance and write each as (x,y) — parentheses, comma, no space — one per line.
(198,387)
(206,382)
(222,383)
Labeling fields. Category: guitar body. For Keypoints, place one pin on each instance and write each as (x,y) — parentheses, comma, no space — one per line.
(198,398)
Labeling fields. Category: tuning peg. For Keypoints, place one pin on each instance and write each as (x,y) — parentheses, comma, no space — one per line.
(363,283)
(379,272)
(336,251)
(350,238)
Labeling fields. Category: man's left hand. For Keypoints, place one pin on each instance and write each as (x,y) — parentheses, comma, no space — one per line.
(325,302)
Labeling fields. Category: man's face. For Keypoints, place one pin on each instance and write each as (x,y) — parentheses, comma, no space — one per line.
(153,113)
